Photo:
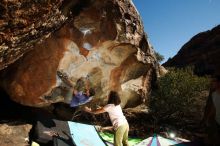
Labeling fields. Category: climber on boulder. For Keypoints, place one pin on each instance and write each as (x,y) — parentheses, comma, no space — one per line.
(82,93)
(81,97)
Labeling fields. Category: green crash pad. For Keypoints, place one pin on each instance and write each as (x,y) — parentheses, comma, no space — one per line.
(110,138)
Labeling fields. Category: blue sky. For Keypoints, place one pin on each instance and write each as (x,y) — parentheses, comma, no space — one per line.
(169,24)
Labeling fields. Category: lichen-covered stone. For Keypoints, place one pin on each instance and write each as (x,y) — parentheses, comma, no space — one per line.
(24,23)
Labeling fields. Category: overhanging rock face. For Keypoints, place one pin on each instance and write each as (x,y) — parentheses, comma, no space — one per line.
(23,23)
(102,42)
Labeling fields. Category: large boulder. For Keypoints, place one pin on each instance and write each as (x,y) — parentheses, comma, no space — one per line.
(101,41)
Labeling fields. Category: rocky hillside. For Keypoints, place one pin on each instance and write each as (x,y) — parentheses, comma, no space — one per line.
(202,51)
(45,43)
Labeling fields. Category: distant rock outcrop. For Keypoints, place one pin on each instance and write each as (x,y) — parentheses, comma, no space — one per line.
(202,51)
(102,41)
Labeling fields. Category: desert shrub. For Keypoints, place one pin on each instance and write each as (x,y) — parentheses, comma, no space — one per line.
(179,96)
(159,57)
